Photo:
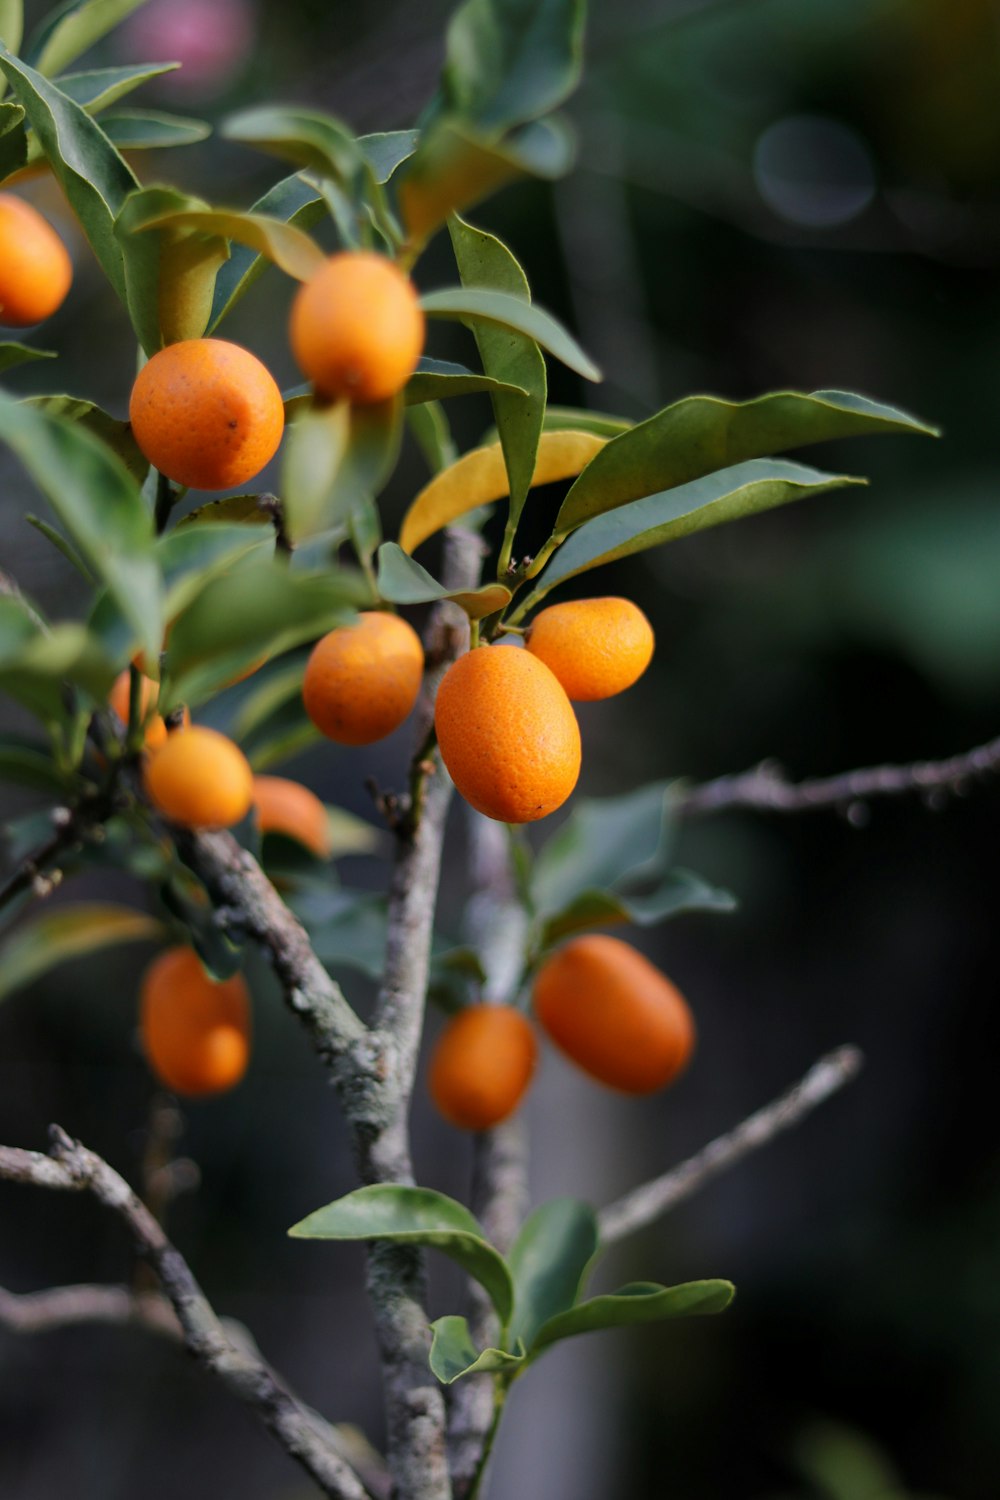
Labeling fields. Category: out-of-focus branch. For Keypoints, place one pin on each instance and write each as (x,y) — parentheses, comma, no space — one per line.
(71,1167)
(645,1204)
(766,789)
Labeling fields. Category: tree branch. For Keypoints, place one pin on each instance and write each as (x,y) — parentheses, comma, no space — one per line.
(766,789)
(647,1203)
(70,1167)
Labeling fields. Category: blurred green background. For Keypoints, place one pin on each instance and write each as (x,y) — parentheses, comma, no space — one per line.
(771,193)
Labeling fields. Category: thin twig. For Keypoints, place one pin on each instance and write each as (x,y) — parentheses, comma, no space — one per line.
(39,871)
(766,789)
(71,1167)
(645,1204)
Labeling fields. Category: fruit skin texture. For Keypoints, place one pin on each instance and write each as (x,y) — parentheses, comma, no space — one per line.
(206,413)
(614,1014)
(35,269)
(289,808)
(357,327)
(199,779)
(362,680)
(156,727)
(508,734)
(596,647)
(481,1065)
(195,1032)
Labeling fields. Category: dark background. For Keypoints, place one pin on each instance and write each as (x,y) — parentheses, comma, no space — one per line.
(775,193)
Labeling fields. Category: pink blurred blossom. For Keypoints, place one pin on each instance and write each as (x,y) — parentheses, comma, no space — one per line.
(212,39)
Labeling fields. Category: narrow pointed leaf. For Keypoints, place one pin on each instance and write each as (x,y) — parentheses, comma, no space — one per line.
(484,261)
(388,149)
(306,137)
(112,431)
(283,243)
(403,581)
(416,1216)
(99,88)
(603,841)
(453,1354)
(335,457)
(744,490)
(69,932)
(480,476)
(72,29)
(292,201)
(152,130)
(701,434)
(549,1261)
(678,891)
(639,1302)
(12,354)
(438,379)
(512,60)
(475,305)
(12,23)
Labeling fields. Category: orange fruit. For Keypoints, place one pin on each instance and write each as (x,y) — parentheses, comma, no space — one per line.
(35,269)
(195,1031)
(481,1065)
(289,808)
(596,647)
(200,779)
(206,413)
(614,1013)
(357,327)
(156,728)
(508,734)
(362,680)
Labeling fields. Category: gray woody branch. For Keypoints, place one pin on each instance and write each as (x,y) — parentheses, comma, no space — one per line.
(70,1167)
(647,1203)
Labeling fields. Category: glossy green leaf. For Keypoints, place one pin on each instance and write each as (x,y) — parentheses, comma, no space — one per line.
(93,176)
(388,149)
(13,139)
(456,167)
(11,23)
(702,434)
(306,137)
(403,581)
(243,510)
(191,557)
(291,201)
(476,305)
(639,1302)
(549,1261)
(69,932)
(484,261)
(73,28)
(676,892)
(152,130)
(99,88)
(453,1354)
(732,494)
(62,544)
(28,763)
(582,419)
(602,842)
(415,1216)
(287,246)
(512,60)
(438,379)
(114,433)
(99,504)
(12,354)
(171,289)
(337,455)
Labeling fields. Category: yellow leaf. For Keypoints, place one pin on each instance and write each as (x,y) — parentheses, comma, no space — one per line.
(480,476)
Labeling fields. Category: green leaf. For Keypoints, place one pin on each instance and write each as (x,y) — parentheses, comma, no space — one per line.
(152,130)
(437,380)
(11,23)
(99,88)
(676,892)
(73,28)
(36,674)
(702,434)
(476,305)
(603,841)
(415,1216)
(744,490)
(388,149)
(639,1302)
(286,246)
(456,167)
(66,933)
(453,1354)
(336,456)
(243,510)
(62,544)
(292,201)
(100,505)
(191,557)
(549,1261)
(265,698)
(13,138)
(306,137)
(352,936)
(114,433)
(29,763)
(582,419)
(403,581)
(12,354)
(484,261)
(184,896)
(512,60)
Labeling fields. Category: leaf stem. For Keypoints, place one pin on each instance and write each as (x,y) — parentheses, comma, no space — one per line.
(500,1387)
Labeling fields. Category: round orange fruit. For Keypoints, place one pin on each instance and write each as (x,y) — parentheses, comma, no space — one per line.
(614,1014)
(199,779)
(357,328)
(362,680)
(195,1032)
(508,734)
(596,647)
(206,413)
(35,269)
(481,1065)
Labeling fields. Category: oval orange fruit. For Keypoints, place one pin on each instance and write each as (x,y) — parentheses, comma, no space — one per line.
(200,779)
(35,269)
(481,1065)
(362,680)
(195,1031)
(357,327)
(596,647)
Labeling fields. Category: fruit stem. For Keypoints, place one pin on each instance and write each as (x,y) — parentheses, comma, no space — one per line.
(473,635)
(507,547)
(504,629)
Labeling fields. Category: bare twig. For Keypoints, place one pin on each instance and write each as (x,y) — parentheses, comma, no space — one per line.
(70,1167)
(766,789)
(63,1306)
(39,871)
(647,1203)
